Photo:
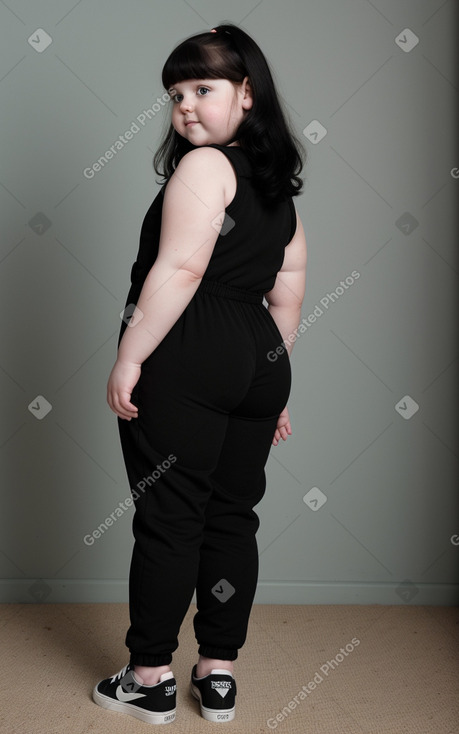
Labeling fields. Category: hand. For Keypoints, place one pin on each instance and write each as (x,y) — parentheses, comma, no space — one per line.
(284,428)
(123,378)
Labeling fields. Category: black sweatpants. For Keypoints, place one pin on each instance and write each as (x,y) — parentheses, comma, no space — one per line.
(209,398)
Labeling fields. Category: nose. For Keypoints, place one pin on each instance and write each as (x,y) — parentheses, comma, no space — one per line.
(186,104)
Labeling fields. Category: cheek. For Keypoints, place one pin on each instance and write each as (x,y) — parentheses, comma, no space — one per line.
(215,114)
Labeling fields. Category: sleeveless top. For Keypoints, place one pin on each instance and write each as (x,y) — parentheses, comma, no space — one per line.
(249,250)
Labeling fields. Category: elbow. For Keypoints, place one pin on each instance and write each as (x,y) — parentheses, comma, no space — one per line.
(291,306)
(190,275)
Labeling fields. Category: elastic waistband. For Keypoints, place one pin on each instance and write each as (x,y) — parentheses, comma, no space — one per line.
(215,288)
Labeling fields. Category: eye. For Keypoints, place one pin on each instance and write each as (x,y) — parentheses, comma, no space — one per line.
(205,89)
(175,98)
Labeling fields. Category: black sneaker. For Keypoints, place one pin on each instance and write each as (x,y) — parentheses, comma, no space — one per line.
(152,704)
(216,693)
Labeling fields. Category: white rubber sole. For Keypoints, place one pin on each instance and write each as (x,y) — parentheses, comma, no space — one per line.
(216,716)
(149,717)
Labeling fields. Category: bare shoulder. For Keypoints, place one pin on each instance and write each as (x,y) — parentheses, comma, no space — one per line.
(195,189)
(208,168)
(204,159)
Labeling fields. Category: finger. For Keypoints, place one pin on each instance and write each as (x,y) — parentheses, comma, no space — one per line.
(126,414)
(122,414)
(127,406)
(124,403)
(120,410)
(286,431)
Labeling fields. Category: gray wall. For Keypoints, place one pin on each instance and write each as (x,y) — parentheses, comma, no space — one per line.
(361,505)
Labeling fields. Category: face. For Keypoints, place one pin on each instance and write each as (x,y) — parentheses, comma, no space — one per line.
(213,107)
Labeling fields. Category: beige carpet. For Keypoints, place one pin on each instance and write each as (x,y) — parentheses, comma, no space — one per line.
(398,673)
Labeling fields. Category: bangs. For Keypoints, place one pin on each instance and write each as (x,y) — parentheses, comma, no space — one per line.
(193,60)
(274,151)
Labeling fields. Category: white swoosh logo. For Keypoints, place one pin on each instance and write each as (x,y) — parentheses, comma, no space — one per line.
(123,696)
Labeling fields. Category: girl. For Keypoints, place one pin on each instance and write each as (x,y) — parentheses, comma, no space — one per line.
(202,377)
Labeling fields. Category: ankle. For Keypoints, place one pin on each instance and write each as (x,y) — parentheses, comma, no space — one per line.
(206,665)
(150,675)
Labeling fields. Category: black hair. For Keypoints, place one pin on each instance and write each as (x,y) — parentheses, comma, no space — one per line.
(265,133)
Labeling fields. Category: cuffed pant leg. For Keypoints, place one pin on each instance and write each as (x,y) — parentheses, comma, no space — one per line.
(169,517)
(228,566)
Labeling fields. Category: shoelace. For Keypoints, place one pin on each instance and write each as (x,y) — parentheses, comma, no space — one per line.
(120,674)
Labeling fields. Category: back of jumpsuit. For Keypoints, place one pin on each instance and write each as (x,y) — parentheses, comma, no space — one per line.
(209,399)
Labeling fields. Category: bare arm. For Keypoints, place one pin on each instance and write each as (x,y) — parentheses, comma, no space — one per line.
(286,298)
(285,301)
(193,199)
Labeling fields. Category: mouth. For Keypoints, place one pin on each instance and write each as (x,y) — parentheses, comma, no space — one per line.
(191,122)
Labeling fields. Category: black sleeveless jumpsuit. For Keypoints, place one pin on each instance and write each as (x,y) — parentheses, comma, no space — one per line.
(209,399)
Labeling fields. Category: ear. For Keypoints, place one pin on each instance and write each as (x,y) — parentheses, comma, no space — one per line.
(247,94)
